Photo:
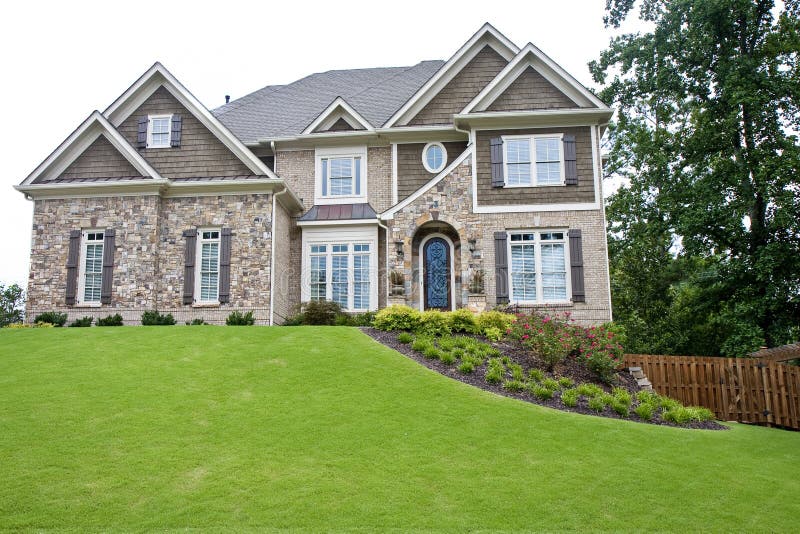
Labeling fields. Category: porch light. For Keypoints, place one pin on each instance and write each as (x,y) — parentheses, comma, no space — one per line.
(398,247)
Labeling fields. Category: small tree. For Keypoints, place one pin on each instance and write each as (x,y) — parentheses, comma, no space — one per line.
(12,301)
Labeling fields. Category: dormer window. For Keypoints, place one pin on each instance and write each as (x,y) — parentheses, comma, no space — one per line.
(158,131)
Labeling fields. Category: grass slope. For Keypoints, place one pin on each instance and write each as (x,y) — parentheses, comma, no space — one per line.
(311,428)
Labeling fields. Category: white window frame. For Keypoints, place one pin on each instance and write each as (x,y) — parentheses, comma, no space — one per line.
(336,153)
(532,142)
(425,157)
(538,263)
(198,298)
(80,298)
(339,236)
(150,119)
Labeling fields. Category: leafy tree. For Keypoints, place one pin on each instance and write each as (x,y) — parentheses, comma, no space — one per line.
(707,223)
(12,300)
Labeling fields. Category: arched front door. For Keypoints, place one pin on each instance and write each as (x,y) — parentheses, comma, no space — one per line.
(436,267)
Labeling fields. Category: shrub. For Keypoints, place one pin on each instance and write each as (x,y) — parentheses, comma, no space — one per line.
(110,320)
(405,338)
(622,395)
(398,318)
(589,390)
(466,367)
(463,320)
(434,323)
(237,318)
(422,343)
(362,319)
(667,403)
(457,353)
(541,392)
(551,384)
(701,414)
(465,343)
(597,404)
(51,317)
(607,399)
(601,349)
(83,322)
(196,322)
(514,385)
(516,371)
(321,312)
(495,319)
(565,382)
(489,351)
(620,407)
(153,318)
(297,319)
(495,371)
(43,325)
(685,414)
(570,397)
(650,397)
(17,326)
(447,358)
(645,411)
(447,343)
(536,375)
(432,353)
(493,334)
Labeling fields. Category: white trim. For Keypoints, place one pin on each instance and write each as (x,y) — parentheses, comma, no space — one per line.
(531,56)
(79,297)
(77,143)
(157,76)
(349,236)
(486,35)
(198,257)
(538,265)
(341,152)
(421,271)
(598,176)
(543,118)
(150,119)
(394,173)
(389,214)
(327,118)
(532,148)
(596,136)
(343,222)
(425,157)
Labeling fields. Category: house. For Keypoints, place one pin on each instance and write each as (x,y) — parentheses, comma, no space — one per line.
(474,181)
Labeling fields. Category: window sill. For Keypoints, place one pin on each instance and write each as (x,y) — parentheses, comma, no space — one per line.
(205,304)
(531,186)
(528,303)
(88,304)
(341,199)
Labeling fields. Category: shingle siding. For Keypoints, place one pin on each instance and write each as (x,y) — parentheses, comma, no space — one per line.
(100,160)
(461,89)
(531,91)
(411,173)
(200,153)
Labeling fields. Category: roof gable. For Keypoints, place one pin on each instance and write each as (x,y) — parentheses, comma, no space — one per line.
(534,59)
(531,91)
(486,35)
(158,76)
(79,141)
(337,112)
(101,160)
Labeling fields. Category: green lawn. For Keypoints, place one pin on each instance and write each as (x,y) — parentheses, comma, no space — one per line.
(309,428)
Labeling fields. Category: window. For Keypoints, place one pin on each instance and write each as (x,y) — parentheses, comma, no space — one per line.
(340,272)
(158,131)
(341,175)
(91,266)
(434,157)
(208,265)
(538,267)
(534,160)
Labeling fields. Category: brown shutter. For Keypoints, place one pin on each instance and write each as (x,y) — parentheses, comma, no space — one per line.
(501,266)
(188,271)
(109,238)
(175,135)
(225,266)
(496,155)
(570,161)
(576,266)
(73,257)
(141,133)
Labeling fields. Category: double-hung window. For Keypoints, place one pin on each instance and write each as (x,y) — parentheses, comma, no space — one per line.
(340,272)
(158,131)
(341,175)
(207,263)
(91,267)
(533,160)
(538,267)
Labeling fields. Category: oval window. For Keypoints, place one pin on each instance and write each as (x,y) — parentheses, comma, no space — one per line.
(434,157)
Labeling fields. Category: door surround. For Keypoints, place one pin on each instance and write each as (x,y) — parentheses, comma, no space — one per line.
(451,258)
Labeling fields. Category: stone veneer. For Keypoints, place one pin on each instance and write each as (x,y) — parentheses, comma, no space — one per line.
(149,253)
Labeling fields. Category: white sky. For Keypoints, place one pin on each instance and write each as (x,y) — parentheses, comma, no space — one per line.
(64,59)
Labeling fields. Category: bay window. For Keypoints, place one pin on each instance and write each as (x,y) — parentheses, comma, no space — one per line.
(341,272)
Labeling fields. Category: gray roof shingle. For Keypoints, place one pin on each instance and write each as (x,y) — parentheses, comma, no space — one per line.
(286,110)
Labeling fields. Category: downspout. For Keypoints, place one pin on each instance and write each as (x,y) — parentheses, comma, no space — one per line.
(272,248)
(386,274)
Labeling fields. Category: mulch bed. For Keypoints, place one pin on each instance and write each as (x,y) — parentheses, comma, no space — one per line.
(569,368)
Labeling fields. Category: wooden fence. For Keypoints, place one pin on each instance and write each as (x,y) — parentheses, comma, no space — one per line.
(735,389)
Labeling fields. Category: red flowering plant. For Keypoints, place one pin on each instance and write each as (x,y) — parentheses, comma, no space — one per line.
(550,337)
(601,349)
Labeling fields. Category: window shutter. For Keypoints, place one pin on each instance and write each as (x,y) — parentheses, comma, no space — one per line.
(188,271)
(576,266)
(496,154)
(225,266)
(175,135)
(324,164)
(141,134)
(73,257)
(109,239)
(501,266)
(570,161)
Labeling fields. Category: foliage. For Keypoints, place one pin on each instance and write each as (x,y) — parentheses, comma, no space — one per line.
(432,352)
(447,358)
(645,411)
(52,317)
(569,397)
(516,371)
(536,375)
(12,304)
(601,350)
(154,318)
(463,320)
(196,322)
(597,403)
(622,395)
(495,370)
(83,322)
(541,392)
(565,382)
(434,323)
(551,384)
(320,312)
(514,385)
(405,338)
(622,409)
(493,334)
(589,390)
(111,320)
(705,230)
(237,318)
(421,344)
(466,367)
(495,319)
(398,318)
(15,326)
